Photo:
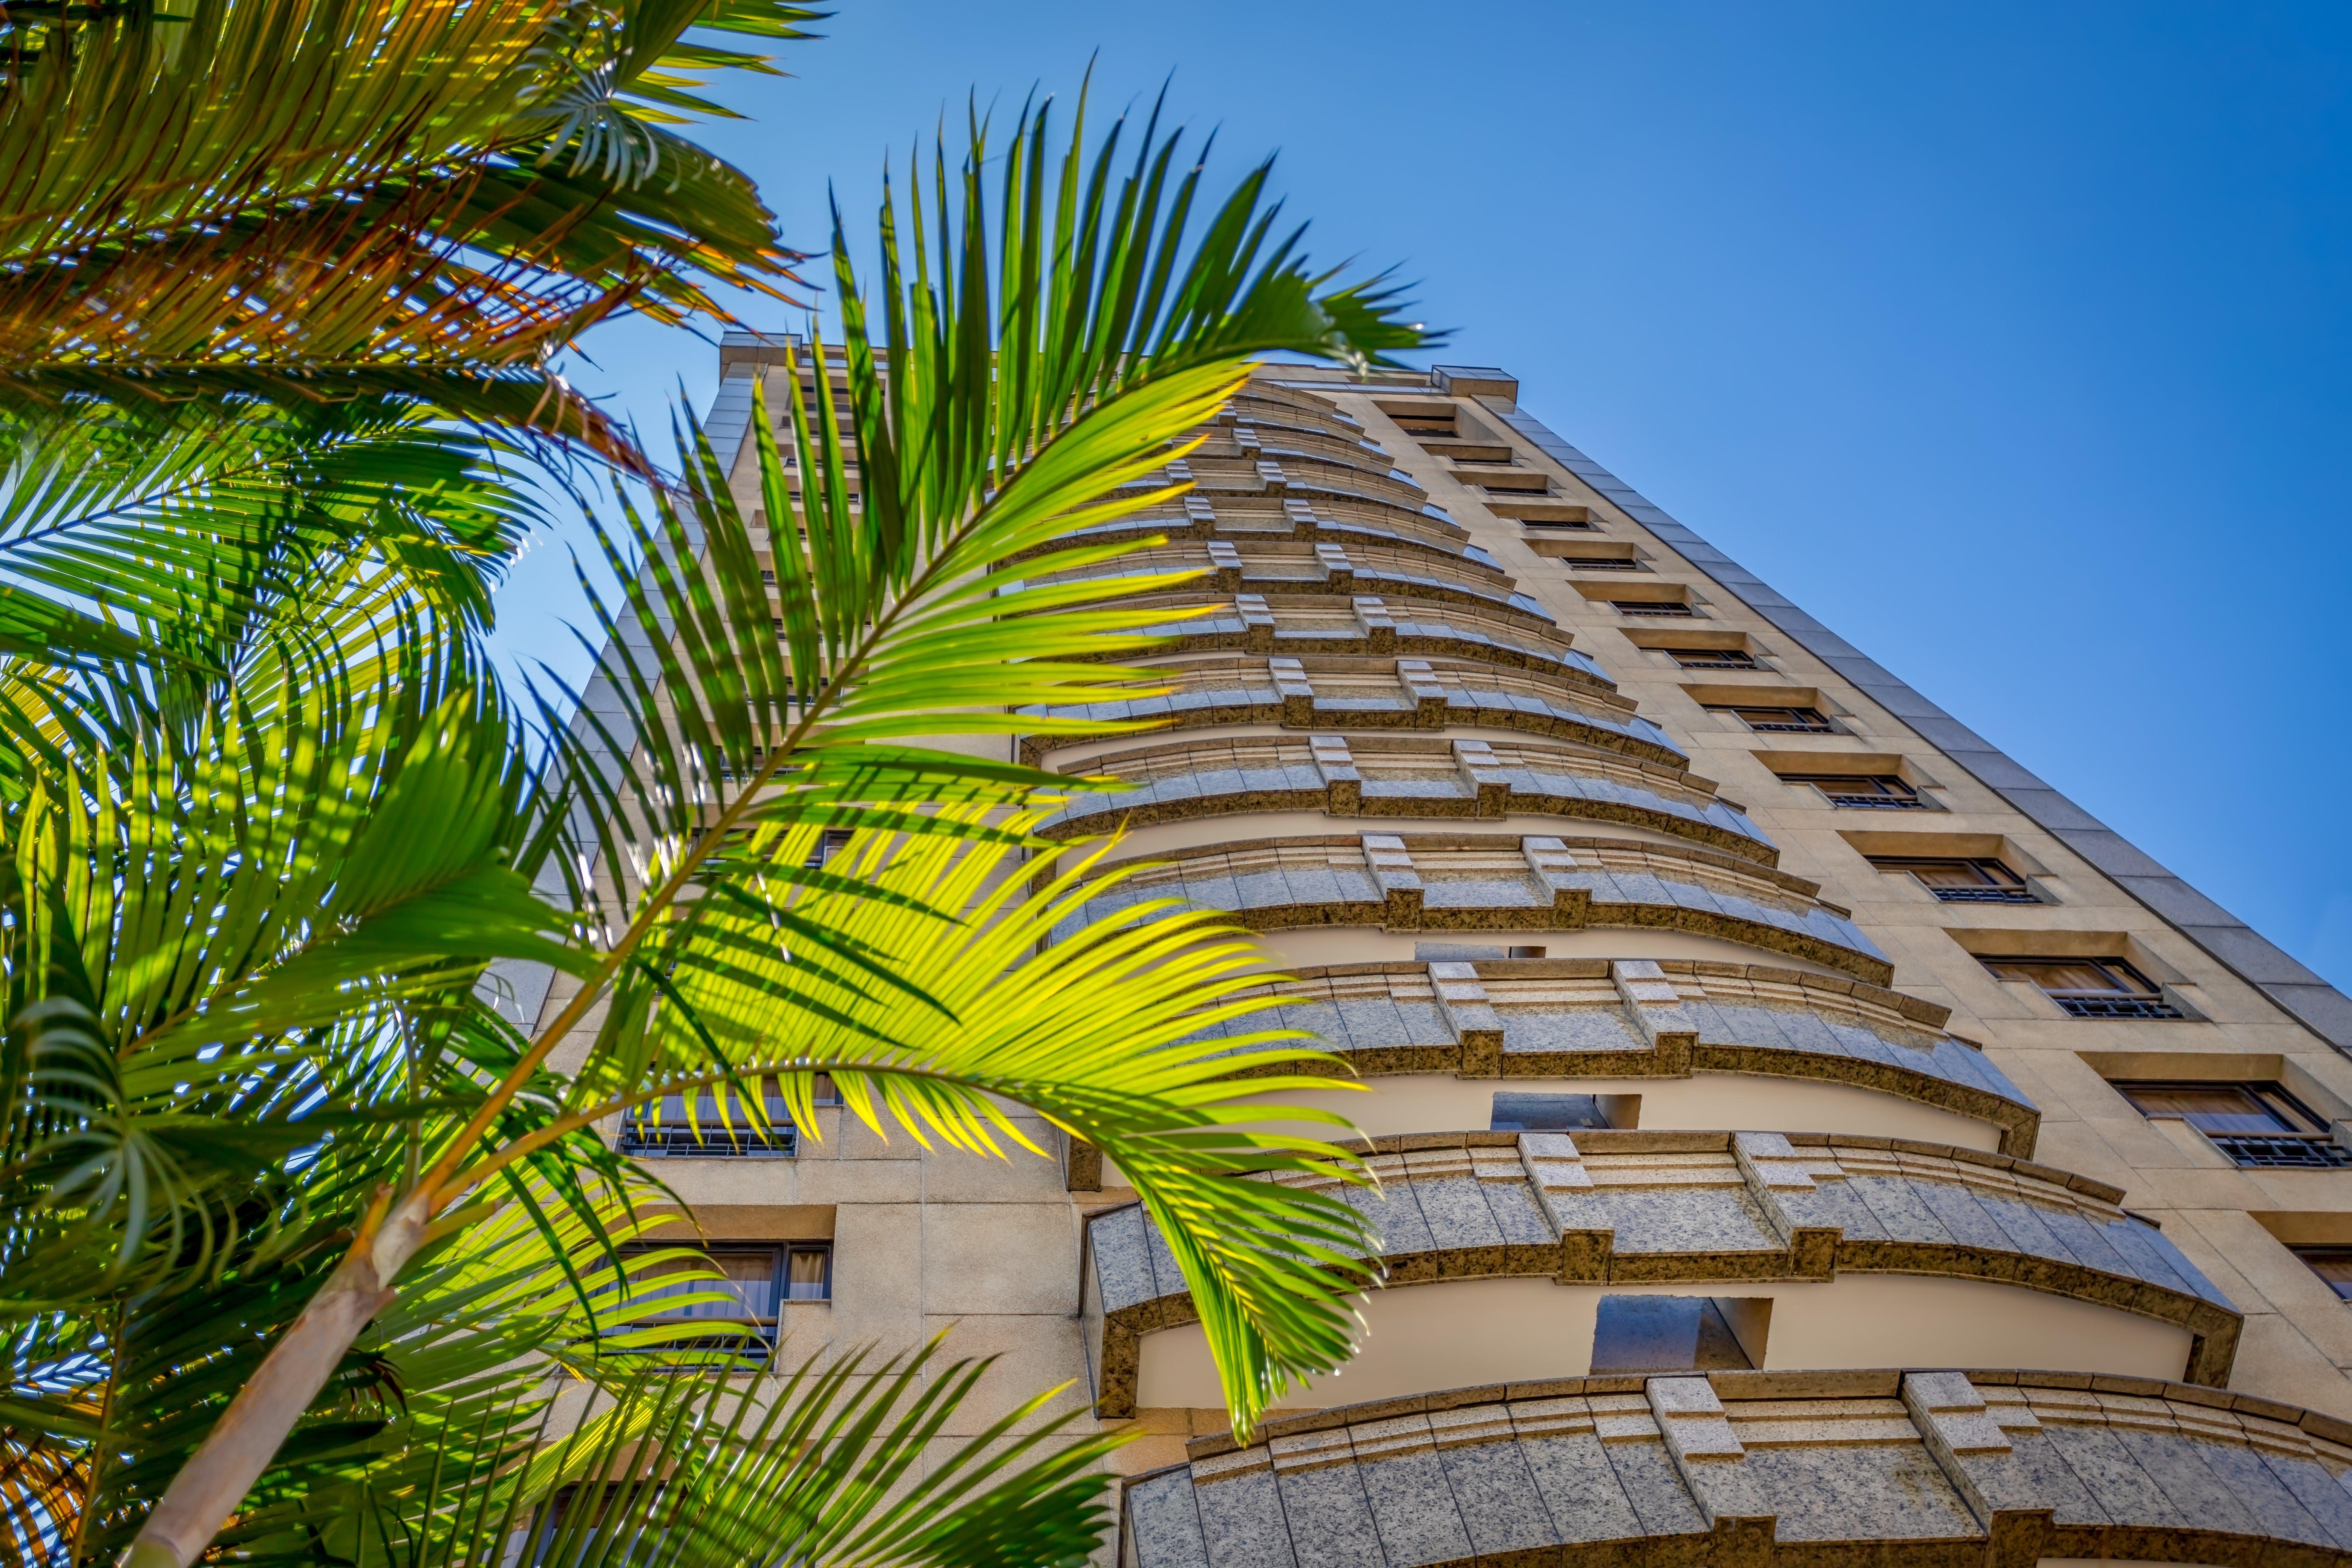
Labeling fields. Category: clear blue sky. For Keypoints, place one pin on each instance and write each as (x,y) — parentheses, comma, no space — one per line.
(2012,340)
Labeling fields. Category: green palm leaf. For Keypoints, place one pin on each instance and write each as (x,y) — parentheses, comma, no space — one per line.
(313,200)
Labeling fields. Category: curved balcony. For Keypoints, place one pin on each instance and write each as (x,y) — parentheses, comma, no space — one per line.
(1497,882)
(1929,1469)
(1305,477)
(1304,625)
(1295,521)
(1869,1251)
(1703,1045)
(1364,694)
(1399,775)
(1276,567)
(1269,409)
(1249,440)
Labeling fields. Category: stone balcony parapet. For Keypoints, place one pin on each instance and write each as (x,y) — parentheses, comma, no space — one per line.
(1279,567)
(1353,694)
(1407,777)
(1198,518)
(1641,1207)
(1492,882)
(1308,625)
(1926,1468)
(1596,1019)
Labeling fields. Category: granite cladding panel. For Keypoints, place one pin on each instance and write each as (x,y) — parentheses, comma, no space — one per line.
(1574,1479)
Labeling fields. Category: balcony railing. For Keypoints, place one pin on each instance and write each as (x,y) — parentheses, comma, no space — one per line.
(1881,802)
(652,1139)
(2095,1004)
(2283,1151)
(1983,896)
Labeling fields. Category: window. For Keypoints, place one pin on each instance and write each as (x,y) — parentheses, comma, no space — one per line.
(832,842)
(661,1127)
(1779,721)
(744,1305)
(1653,607)
(1604,563)
(1959,879)
(2255,1123)
(2088,987)
(1678,1333)
(1546,1112)
(1882,792)
(1713,658)
(1427,422)
(1587,524)
(2333,1264)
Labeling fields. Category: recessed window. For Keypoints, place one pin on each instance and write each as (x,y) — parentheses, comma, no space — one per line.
(2333,1264)
(1778,720)
(2256,1123)
(1678,1333)
(1713,658)
(1444,425)
(1546,1112)
(1605,564)
(663,1127)
(744,1306)
(832,843)
(1581,524)
(1881,791)
(1653,607)
(1960,879)
(1468,951)
(2088,987)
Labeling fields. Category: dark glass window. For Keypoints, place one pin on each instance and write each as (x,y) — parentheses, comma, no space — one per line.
(2223,1108)
(1880,790)
(667,1126)
(1604,563)
(2333,1264)
(743,1308)
(1546,1112)
(1960,879)
(1714,657)
(833,841)
(2088,987)
(1793,721)
(1667,1333)
(2256,1124)
(1652,607)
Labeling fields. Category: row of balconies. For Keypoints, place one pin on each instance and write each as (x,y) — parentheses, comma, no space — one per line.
(1297,522)
(1431,882)
(1282,568)
(1361,694)
(1403,775)
(1787,1232)
(1301,626)
(1928,1469)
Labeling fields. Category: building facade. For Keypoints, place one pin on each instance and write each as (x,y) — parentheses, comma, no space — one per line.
(1804,1135)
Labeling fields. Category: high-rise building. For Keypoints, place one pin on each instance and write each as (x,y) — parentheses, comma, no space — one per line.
(1805,1136)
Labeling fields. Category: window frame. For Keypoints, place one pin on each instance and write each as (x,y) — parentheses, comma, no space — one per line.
(1822,723)
(2307,1253)
(1904,795)
(1713,659)
(2017,889)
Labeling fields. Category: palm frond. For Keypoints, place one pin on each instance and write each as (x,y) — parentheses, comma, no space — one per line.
(323,198)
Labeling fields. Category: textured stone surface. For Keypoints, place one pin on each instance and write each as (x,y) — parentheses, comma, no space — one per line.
(1806,1469)
(1560,1017)
(1500,882)
(1375,694)
(1656,1206)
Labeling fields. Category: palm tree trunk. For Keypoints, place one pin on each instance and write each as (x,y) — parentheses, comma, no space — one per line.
(241,1445)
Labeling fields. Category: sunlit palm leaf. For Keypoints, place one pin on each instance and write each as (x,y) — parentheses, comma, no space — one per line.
(329,197)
